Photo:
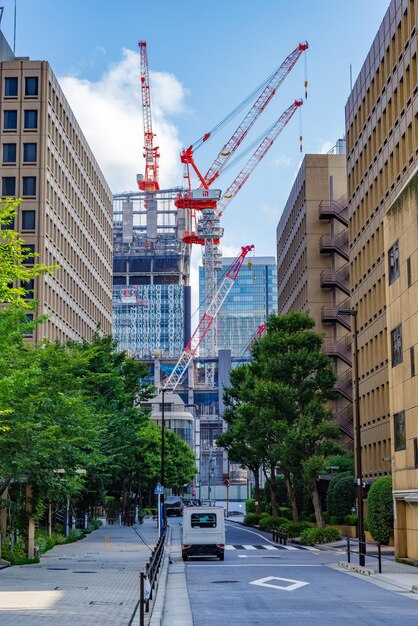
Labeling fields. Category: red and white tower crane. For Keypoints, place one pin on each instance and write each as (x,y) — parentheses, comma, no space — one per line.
(207,320)
(148,182)
(205,199)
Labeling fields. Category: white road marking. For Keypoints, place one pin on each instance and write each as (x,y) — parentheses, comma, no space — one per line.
(242,556)
(228,547)
(270,547)
(268,582)
(249,547)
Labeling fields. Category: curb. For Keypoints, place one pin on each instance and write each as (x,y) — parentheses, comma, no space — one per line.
(356,568)
(159,604)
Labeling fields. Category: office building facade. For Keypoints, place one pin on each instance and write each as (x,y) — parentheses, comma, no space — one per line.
(66,211)
(252,299)
(312,264)
(382,154)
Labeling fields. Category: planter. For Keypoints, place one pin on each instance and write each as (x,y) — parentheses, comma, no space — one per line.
(346,531)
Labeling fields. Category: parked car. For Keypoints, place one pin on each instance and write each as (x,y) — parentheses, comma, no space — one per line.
(173,505)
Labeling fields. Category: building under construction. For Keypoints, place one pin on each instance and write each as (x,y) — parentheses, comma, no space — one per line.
(151,266)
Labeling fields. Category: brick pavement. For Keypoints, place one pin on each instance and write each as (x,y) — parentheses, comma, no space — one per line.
(92,581)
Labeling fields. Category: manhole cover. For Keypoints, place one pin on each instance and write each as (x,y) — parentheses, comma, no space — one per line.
(224,582)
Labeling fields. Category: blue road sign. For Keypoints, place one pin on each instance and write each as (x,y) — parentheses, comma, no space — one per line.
(159,489)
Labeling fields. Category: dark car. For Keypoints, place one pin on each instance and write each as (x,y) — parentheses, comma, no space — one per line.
(173,505)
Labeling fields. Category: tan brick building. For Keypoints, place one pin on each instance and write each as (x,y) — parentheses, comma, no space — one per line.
(66,209)
(382,154)
(312,264)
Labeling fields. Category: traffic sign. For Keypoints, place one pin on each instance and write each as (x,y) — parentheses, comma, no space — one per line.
(159,489)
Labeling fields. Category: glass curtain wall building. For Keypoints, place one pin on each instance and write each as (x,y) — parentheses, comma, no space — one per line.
(250,302)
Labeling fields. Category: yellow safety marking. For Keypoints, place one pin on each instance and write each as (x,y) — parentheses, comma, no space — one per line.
(106,540)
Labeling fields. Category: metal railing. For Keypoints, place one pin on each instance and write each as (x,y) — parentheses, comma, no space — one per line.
(279,535)
(148,578)
(377,556)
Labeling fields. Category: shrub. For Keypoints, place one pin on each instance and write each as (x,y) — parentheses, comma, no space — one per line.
(351,520)
(284,511)
(95,523)
(252,519)
(341,494)
(294,529)
(337,519)
(380,509)
(74,535)
(250,506)
(312,536)
(17,556)
(269,522)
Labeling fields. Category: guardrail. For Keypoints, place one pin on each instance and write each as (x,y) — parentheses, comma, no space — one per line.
(148,578)
(279,536)
(377,556)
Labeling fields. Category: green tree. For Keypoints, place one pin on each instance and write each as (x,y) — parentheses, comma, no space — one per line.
(341,494)
(380,509)
(14,273)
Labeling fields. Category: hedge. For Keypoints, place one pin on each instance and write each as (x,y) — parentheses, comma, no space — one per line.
(380,509)
(312,536)
(341,495)
(252,519)
(269,522)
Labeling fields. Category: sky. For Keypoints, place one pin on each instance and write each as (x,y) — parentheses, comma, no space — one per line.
(204,59)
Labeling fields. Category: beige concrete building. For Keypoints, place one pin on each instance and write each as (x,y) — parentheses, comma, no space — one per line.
(381,132)
(66,209)
(401,245)
(312,264)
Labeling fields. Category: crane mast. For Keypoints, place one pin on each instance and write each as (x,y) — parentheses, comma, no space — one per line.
(149,182)
(207,320)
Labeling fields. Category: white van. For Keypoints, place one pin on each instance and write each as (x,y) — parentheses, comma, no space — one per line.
(203,531)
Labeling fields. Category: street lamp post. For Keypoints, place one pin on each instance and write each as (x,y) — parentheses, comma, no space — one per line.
(360,512)
(161,512)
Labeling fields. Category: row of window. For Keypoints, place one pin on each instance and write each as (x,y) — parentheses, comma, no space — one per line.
(8,186)
(30,152)
(30,119)
(11,86)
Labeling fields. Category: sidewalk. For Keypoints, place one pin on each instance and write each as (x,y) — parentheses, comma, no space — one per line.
(92,581)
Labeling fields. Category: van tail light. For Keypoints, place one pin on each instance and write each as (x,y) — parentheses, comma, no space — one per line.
(186,545)
(220,545)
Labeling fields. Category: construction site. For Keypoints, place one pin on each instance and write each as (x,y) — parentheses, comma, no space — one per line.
(154,232)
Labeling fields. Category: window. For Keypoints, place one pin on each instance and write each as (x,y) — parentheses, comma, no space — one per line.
(28,220)
(9,153)
(10,120)
(29,286)
(28,326)
(399,427)
(412,360)
(31,119)
(393,262)
(416,452)
(29,249)
(409,271)
(29,186)
(8,187)
(10,86)
(29,152)
(203,520)
(31,86)
(396,341)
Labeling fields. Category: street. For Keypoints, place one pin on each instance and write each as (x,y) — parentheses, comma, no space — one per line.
(261,583)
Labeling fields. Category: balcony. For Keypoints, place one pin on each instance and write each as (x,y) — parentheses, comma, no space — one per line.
(338,278)
(330,210)
(335,243)
(344,385)
(340,349)
(344,419)
(330,315)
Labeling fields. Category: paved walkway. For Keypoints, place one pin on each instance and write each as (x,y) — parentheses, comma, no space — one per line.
(92,581)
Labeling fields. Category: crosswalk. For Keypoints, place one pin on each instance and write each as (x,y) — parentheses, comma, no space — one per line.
(266,546)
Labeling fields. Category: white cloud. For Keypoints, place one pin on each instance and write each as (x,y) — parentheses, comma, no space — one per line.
(282,159)
(325,146)
(109,112)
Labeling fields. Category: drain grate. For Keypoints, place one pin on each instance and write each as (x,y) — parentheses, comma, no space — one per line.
(63,588)
(58,569)
(224,582)
(81,571)
(102,602)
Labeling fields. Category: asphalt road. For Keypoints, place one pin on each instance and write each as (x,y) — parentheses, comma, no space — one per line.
(262,584)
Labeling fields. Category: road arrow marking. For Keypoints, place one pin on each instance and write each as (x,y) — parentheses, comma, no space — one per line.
(265,582)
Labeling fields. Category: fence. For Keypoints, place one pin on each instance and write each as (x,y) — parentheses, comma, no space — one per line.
(148,578)
(377,556)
